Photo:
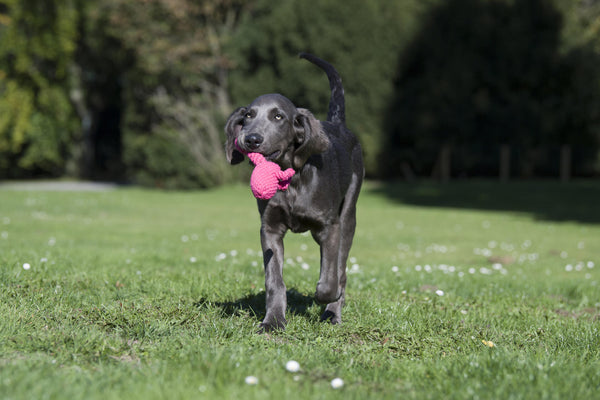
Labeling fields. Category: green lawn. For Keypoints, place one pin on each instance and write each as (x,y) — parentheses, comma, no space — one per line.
(470,290)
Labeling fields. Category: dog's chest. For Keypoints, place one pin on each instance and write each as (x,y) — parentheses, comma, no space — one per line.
(298,209)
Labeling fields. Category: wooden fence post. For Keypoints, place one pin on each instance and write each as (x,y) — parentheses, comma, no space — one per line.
(565,163)
(504,163)
(446,163)
(442,169)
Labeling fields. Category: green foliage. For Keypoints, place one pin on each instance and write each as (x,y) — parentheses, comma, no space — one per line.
(140,90)
(175,90)
(15,111)
(162,160)
(361,39)
(142,294)
(37,122)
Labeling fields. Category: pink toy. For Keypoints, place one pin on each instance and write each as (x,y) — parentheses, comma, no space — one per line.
(267,176)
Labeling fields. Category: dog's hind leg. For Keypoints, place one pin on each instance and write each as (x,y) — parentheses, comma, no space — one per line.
(333,311)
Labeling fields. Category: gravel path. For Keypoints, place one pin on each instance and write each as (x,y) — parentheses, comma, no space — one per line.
(58,186)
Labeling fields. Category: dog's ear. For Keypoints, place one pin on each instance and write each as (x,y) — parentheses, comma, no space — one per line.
(232,129)
(310,138)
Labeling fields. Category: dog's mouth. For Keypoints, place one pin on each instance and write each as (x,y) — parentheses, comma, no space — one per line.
(269,157)
(273,156)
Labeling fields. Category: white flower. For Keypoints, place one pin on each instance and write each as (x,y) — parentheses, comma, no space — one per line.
(251,380)
(439,292)
(337,383)
(292,366)
(355,269)
(193,259)
(26,266)
(395,268)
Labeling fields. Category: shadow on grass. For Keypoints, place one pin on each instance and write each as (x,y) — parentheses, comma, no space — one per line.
(545,200)
(298,304)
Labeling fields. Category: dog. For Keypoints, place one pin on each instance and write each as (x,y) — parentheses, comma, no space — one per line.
(321,197)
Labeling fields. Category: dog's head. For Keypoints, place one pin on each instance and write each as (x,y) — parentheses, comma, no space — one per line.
(273,126)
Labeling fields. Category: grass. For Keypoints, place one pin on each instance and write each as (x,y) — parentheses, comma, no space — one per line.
(471,290)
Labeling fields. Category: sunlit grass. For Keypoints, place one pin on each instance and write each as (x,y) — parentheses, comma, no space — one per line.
(143,294)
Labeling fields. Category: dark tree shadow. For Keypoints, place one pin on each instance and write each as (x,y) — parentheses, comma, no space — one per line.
(298,304)
(544,200)
(479,75)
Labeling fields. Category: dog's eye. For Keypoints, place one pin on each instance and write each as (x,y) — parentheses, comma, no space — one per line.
(247,115)
(278,117)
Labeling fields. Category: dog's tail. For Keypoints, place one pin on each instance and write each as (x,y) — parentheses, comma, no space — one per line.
(337,108)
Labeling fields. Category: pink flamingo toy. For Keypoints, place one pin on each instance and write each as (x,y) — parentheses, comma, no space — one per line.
(267,177)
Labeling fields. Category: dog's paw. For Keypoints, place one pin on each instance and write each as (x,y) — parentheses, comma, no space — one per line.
(272,325)
(331,317)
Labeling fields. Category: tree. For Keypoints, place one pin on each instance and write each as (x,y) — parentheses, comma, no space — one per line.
(37,120)
(482,74)
(169,77)
(581,48)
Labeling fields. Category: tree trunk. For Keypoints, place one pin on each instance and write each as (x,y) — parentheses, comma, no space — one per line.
(407,172)
(504,163)
(85,150)
(565,163)
(442,169)
(529,162)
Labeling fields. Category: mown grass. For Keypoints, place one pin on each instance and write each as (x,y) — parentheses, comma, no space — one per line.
(142,294)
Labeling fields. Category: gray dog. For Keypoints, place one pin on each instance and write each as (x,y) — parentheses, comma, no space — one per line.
(321,196)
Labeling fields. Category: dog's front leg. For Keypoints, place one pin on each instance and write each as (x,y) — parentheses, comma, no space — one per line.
(272,246)
(328,287)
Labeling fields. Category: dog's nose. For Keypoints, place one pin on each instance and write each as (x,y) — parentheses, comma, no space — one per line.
(253,141)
